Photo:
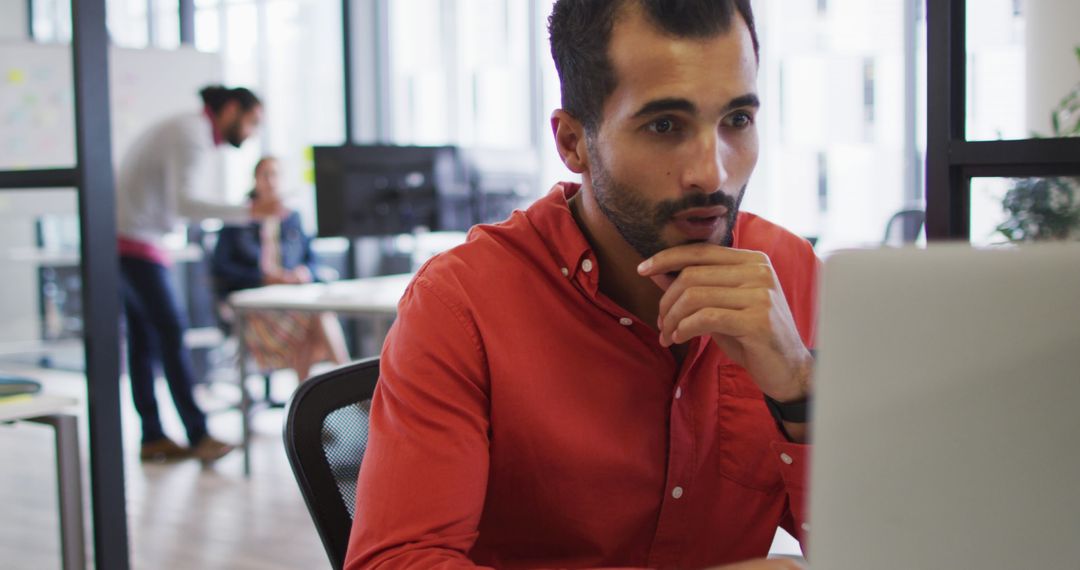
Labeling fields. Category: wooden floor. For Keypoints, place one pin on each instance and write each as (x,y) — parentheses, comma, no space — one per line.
(180,515)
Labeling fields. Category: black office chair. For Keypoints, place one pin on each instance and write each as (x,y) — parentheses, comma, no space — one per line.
(908,223)
(326,436)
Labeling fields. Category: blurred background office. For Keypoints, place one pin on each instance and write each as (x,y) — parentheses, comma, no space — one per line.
(843,85)
(345,85)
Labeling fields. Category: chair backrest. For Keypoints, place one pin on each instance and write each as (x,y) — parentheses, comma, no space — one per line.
(908,222)
(326,434)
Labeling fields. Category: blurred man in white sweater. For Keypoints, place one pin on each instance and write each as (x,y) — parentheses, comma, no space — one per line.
(165,180)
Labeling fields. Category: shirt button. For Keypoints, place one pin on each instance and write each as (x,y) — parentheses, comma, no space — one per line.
(586,265)
(625,322)
(565,272)
(676,492)
(678,392)
(786,458)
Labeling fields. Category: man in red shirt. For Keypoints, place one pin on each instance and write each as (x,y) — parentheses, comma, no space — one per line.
(586,383)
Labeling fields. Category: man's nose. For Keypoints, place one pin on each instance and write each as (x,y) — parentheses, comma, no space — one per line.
(706,172)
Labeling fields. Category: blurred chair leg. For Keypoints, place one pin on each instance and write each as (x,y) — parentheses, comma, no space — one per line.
(268,390)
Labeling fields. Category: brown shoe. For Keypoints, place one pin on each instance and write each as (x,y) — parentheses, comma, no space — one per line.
(209,449)
(163,449)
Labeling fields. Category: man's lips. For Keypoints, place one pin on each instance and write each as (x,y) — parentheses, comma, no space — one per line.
(700,215)
(700,224)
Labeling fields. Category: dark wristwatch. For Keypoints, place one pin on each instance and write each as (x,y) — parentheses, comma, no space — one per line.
(797,412)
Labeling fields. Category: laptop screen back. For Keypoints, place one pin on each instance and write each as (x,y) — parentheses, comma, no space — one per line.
(947,412)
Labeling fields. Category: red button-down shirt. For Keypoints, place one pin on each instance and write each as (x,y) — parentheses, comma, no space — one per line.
(524,419)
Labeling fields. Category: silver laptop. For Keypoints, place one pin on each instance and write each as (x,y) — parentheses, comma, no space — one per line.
(947,414)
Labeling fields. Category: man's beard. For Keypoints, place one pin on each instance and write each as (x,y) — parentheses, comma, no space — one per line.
(232,134)
(641,222)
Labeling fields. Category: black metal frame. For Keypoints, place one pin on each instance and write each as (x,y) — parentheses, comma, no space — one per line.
(47,178)
(187,22)
(346,66)
(952,161)
(316,398)
(92,177)
(29,18)
(100,278)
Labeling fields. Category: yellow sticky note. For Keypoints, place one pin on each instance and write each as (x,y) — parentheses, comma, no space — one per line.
(309,165)
(16,76)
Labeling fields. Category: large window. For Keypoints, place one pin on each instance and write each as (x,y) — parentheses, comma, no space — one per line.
(460,73)
(837,131)
(1003,120)
(289,52)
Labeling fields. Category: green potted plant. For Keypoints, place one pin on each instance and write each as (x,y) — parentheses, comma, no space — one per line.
(1040,209)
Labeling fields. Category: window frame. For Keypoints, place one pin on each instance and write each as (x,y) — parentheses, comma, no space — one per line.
(952,161)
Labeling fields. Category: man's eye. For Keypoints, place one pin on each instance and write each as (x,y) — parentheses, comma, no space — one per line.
(662,126)
(741,120)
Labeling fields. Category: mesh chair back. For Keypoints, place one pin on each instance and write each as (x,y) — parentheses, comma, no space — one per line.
(326,434)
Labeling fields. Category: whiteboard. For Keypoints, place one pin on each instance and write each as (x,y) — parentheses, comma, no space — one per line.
(37,113)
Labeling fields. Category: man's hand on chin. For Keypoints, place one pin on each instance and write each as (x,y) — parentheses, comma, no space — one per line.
(734,296)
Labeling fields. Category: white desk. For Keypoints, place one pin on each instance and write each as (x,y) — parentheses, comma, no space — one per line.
(49,410)
(372,296)
(375,298)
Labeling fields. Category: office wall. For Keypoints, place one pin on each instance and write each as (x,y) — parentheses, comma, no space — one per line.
(13,23)
(37,131)
(37,99)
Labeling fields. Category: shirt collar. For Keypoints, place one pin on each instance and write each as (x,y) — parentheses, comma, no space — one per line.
(571,252)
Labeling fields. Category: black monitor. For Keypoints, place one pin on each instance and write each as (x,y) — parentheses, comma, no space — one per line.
(380,190)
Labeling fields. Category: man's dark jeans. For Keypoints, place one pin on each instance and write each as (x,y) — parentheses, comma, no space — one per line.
(155,333)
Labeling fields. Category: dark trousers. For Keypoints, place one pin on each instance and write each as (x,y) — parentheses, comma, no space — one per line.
(155,334)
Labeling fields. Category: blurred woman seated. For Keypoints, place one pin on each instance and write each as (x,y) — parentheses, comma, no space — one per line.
(276,251)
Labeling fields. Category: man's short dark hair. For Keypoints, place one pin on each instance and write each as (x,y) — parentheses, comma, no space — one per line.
(217,96)
(580,33)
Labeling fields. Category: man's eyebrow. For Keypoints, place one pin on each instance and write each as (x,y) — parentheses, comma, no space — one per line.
(668,104)
(748,100)
(687,106)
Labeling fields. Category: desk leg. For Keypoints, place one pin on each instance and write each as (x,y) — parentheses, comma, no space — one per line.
(245,397)
(380,326)
(69,487)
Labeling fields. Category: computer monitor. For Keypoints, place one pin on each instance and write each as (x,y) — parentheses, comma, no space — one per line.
(380,190)
(945,421)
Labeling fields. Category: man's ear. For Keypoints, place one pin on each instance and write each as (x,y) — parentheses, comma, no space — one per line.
(570,141)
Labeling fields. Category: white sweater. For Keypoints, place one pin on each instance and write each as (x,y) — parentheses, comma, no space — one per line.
(165,179)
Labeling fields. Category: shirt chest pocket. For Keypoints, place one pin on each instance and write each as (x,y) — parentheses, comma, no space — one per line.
(746,430)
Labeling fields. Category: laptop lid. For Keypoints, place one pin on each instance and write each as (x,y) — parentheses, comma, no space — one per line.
(947,413)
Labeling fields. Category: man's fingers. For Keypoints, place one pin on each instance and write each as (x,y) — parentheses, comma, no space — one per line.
(678,257)
(663,280)
(707,321)
(731,276)
(695,299)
